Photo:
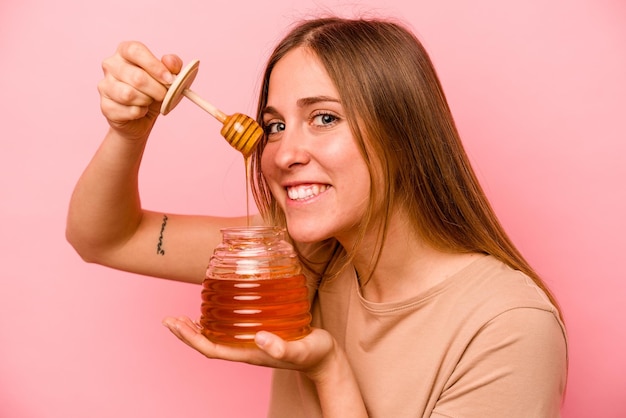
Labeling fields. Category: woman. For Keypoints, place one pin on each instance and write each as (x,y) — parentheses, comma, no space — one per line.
(423,306)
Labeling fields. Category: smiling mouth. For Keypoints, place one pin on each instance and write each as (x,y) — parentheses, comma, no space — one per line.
(306,192)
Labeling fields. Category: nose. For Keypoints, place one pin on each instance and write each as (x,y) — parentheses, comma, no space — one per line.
(291,149)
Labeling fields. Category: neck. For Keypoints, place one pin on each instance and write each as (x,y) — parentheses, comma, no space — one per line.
(407,265)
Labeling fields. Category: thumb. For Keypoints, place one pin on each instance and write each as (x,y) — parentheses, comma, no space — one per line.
(271,344)
(173,63)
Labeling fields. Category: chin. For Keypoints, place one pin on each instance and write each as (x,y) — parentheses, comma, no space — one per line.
(306,234)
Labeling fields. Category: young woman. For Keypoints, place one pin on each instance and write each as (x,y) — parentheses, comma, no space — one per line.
(422,305)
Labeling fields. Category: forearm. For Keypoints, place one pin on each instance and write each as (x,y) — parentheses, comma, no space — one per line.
(338,389)
(105,208)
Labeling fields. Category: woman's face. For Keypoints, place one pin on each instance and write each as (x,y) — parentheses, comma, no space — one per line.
(311,161)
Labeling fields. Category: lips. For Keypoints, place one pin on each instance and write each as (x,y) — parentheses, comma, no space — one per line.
(304,192)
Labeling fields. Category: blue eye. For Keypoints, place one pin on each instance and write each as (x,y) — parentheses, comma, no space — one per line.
(273,128)
(324,119)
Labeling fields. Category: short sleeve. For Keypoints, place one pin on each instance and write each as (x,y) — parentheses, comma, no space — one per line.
(515,366)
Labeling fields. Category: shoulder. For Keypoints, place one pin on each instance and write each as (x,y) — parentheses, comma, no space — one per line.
(514,356)
(492,287)
(516,366)
(497,305)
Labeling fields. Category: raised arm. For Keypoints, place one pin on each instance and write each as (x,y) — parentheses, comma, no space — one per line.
(106,223)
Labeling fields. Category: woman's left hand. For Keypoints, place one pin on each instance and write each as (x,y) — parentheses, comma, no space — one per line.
(317,355)
(309,354)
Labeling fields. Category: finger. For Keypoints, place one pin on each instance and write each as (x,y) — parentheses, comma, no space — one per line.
(303,353)
(187,332)
(118,113)
(298,353)
(122,93)
(138,54)
(191,334)
(120,102)
(173,63)
(271,344)
(130,81)
(134,64)
(191,324)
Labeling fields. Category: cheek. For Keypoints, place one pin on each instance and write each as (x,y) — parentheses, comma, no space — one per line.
(266,162)
(268,169)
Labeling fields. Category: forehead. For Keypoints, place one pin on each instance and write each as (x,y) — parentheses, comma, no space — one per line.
(300,74)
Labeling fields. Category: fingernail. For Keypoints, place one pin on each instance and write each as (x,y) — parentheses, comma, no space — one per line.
(260,339)
(168,78)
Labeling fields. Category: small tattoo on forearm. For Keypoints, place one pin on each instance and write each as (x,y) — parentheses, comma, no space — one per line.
(160,249)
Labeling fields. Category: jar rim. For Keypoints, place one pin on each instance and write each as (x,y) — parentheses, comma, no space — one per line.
(252,231)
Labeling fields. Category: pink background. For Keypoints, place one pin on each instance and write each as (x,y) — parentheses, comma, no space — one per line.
(538,89)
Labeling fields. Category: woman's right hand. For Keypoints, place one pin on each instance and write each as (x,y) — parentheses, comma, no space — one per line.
(133,87)
(106,223)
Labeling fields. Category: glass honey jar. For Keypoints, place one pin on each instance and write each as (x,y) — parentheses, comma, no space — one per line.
(254,282)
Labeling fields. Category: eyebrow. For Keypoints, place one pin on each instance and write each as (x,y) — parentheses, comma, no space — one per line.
(307,101)
(304,102)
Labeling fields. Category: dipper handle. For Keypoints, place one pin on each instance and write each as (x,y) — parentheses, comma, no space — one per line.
(212,110)
(242,132)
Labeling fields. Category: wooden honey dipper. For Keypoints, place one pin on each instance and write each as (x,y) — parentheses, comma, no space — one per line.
(241,131)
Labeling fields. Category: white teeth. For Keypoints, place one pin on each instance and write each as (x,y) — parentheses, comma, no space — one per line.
(305,192)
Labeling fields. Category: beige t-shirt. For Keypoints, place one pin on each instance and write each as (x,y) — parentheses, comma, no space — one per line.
(484,343)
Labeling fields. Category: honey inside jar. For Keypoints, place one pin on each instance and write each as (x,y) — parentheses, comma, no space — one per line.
(254,282)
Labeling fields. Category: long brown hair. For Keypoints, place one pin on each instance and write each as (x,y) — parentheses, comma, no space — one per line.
(400,118)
